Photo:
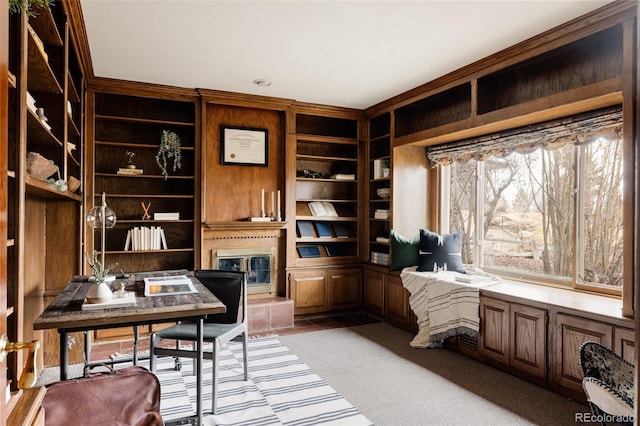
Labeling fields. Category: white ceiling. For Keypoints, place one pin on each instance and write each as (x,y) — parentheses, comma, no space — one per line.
(343,53)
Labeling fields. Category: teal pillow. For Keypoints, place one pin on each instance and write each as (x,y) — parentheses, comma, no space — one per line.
(404,251)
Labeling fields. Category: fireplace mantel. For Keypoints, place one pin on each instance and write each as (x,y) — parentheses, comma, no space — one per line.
(243,225)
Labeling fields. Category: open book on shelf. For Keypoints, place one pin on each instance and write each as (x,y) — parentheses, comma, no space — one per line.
(322,208)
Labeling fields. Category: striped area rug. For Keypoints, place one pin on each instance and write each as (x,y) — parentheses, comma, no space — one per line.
(282,390)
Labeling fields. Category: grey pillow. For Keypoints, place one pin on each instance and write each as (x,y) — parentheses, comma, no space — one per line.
(440,252)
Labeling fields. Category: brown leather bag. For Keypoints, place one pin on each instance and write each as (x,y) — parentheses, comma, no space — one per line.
(128,396)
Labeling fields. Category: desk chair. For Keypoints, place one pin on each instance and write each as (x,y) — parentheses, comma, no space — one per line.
(231,288)
(607,383)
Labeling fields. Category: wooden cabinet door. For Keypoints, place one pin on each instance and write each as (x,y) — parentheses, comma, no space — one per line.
(396,299)
(493,341)
(308,291)
(571,333)
(528,339)
(345,290)
(625,343)
(374,291)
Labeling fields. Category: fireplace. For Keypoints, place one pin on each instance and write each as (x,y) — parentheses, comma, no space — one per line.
(258,263)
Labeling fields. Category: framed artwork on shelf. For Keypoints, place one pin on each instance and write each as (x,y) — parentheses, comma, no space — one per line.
(244,146)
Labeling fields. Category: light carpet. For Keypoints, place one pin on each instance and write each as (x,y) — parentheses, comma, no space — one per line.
(282,390)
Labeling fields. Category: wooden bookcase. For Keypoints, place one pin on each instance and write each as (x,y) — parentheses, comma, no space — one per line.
(134,124)
(326,146)
(45,231)
(378,155)
(325,142)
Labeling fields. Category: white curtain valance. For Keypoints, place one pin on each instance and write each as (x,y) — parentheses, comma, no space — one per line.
(578,129)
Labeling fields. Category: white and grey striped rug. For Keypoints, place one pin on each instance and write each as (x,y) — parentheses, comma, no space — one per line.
(282,390)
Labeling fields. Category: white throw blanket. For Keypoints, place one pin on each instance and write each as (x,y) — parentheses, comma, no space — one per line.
(444,307)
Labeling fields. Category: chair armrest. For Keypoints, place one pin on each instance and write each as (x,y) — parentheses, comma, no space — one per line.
(606,398)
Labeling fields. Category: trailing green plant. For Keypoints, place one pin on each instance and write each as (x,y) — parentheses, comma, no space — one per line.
(17,6)
(169,148)
(100,271)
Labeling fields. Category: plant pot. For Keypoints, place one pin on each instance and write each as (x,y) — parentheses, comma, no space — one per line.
(99,293)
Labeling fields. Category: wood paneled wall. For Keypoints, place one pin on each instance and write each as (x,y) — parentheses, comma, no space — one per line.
(232,192)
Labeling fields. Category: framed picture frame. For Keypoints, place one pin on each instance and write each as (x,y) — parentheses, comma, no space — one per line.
(244,146)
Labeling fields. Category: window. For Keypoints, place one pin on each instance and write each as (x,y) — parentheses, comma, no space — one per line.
(551,212)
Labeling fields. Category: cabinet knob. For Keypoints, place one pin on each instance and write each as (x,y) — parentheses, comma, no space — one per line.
(29,374)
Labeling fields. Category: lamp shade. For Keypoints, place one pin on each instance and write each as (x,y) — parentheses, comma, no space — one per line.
(99,215)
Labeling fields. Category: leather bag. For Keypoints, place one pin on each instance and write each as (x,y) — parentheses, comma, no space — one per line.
(127,396)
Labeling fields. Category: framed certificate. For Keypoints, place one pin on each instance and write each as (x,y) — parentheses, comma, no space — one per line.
(244,146)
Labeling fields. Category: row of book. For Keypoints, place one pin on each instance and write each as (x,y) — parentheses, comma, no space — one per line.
(381,214)
(330,249)
(379,258)
(141,238)
(322,229)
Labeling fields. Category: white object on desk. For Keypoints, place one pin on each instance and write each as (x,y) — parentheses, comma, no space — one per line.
(168,286)
(116,302)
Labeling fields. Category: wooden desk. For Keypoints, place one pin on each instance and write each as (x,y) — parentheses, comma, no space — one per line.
(66,315)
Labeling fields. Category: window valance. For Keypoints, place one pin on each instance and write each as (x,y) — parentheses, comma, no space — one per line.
(578,129)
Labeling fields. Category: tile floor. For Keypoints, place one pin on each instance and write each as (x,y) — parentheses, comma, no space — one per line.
(304,325)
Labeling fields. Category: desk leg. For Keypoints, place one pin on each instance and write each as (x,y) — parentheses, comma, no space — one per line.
(64,354)
(135,344)
(199,362)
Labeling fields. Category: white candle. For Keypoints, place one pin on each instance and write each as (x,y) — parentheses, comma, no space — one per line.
(278,201)
(261,200)
(272,202)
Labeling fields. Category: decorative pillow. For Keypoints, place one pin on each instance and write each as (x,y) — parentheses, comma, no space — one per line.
(404,251)
(440,252)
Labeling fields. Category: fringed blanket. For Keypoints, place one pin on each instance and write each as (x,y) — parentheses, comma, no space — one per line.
(444,307)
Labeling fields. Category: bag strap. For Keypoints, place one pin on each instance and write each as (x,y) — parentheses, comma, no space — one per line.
(88,373)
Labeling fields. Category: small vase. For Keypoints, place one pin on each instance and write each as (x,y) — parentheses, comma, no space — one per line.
(99,293)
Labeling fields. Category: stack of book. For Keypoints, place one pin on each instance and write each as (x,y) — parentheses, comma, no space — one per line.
(141,238)
(167,216)
(381,214)
(343,176)
(379,258)
(128,171)
(382,240)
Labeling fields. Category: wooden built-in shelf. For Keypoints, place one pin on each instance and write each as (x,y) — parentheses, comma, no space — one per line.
(166,196)
(328,218)
(72,91)
(137,145)
(73,128)
(304,179)
(146,176)
(141,221)
(325,240)
(143,120)
(12,80)
(45,26)
(327,139)
(243,225)
(38,134)
(323,158)
(41,77)
(178,250)
(44,189)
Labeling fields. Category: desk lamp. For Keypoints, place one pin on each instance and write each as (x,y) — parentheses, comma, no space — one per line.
(101,217)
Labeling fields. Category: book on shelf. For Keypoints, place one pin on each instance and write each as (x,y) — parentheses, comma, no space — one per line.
(304,228)
(379,258)
(343,176)
(127,171)
(167,216)
(141,238)
(260,219)
(384,240)
(322,229)
(381,214)
(336,250)
(309,251)
(322,208)
(340,230)
(380,169)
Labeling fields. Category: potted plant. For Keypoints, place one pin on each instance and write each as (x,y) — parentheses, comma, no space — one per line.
(169,148)
(100,291)
(17,6)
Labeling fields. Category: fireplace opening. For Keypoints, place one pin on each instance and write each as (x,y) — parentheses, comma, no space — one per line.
(258,263)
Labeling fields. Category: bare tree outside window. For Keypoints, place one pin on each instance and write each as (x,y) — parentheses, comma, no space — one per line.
(549,214)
